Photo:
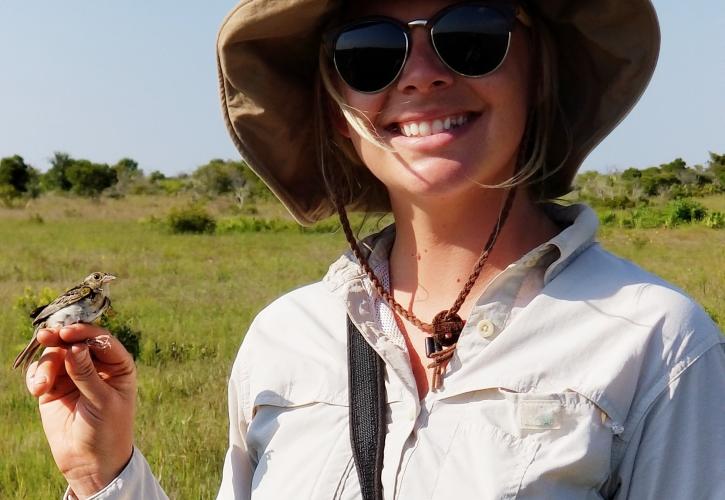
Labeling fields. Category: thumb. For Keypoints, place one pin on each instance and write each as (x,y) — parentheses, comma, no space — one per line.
(82,371)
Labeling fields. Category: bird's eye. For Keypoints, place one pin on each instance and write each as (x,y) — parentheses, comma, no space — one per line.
(96,276)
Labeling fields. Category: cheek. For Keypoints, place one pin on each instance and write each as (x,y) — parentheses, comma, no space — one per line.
(365,106)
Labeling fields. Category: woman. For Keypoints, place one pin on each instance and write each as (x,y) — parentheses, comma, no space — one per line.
(574,375)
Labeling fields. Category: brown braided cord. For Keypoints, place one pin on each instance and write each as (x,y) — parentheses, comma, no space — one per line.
(441,357)
(426,327)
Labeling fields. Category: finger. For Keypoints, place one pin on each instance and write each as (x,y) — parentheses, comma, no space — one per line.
(49,337)
(109,350)
(82,371)
(30,376)
(79,332)
(62,387)
(46,370)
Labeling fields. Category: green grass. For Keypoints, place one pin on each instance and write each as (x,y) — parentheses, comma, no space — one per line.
(203,290)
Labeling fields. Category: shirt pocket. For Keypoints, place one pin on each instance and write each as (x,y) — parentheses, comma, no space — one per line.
(573,436)
(526,445)
(483,462)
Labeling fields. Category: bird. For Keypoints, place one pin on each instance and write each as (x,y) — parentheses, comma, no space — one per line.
(82,303)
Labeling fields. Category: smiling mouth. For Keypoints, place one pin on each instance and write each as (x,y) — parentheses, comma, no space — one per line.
(424,128)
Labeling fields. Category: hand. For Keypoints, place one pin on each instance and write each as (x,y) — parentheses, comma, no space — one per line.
(87,400)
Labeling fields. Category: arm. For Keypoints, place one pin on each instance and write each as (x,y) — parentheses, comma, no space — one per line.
(238,469)
(678,449)
(136,482)
(87,398)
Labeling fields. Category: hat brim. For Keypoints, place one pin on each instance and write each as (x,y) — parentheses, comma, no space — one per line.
(267,54)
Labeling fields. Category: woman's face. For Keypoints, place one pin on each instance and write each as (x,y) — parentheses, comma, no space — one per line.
(451,162)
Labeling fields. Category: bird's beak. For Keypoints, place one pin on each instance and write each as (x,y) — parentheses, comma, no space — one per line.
(108,278)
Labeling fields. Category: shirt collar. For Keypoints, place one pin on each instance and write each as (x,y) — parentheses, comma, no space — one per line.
(580,225)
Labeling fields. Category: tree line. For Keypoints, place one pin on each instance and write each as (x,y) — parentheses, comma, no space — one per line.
(81,177)
(619,190)
(636,187)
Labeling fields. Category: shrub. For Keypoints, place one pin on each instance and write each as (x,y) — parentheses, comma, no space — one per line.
(17,175)
(617,202)
(684,210)
(714,220)
(158,354)
(191,219)
(648,218)
(31,299)
(608,218)
(90,179)
(122,330)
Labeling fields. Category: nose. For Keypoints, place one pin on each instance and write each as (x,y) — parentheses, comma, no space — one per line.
(424,72)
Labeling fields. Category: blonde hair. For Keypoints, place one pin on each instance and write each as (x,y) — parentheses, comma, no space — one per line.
(345,174)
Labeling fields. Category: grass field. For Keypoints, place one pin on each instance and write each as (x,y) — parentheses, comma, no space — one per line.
(200,292)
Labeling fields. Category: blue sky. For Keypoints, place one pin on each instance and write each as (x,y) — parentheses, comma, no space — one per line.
(103,80)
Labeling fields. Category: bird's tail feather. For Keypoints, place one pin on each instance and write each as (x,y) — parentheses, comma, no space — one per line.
(27,355)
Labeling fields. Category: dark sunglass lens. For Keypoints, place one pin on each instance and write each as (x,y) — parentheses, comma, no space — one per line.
(369,56)
(472,39)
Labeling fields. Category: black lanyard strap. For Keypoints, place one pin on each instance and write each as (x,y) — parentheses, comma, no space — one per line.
(366,379)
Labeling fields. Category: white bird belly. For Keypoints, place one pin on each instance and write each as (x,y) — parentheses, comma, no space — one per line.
(82,311)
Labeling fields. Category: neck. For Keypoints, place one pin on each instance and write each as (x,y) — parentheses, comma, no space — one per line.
(437,246)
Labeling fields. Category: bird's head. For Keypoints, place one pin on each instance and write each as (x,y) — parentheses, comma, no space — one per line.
(97,280)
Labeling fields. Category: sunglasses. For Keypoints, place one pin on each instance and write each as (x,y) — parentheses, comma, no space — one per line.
(472,39)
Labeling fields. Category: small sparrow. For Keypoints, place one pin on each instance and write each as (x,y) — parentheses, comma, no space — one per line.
(83,303)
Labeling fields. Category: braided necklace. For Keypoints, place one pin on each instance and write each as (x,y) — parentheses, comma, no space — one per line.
(446,327)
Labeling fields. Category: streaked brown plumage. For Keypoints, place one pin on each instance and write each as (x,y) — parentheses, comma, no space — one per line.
(83,303)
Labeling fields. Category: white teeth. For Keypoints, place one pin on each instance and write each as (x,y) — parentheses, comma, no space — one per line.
(425,128)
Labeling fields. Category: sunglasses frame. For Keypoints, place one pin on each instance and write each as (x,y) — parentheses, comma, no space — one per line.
(513,13)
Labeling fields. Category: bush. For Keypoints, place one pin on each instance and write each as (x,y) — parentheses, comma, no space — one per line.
(30,300)
(191,219)
(617,202)
(90,179)
(16,175)
(158,354)
(683,211)
(608,218)
(714,220)
(122,330)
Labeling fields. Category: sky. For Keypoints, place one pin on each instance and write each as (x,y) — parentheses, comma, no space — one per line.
(104,80)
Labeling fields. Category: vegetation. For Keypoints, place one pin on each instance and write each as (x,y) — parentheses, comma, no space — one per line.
(185,297)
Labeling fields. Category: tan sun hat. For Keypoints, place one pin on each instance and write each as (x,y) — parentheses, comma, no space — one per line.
(267,55)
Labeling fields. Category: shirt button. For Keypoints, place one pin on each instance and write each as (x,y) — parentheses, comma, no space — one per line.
(485,328)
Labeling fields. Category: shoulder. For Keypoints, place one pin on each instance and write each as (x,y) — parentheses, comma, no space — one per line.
(294,349)
(297,322)
(632,294)
(647,332)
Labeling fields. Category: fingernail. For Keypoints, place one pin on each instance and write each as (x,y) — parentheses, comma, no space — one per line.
(39,380)
(78,350)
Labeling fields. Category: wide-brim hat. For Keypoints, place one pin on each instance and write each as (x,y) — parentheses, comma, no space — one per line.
(267,55)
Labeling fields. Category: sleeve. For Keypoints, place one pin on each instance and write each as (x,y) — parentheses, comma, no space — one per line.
(238,470)
(678,450)
(136,482)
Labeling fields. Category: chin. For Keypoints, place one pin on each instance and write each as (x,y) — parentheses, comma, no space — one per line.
(444,177)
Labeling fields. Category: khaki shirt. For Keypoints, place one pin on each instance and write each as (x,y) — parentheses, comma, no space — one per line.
(577,376)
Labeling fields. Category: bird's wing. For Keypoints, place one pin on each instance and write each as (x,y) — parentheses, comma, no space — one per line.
(72,296)
(34,313)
